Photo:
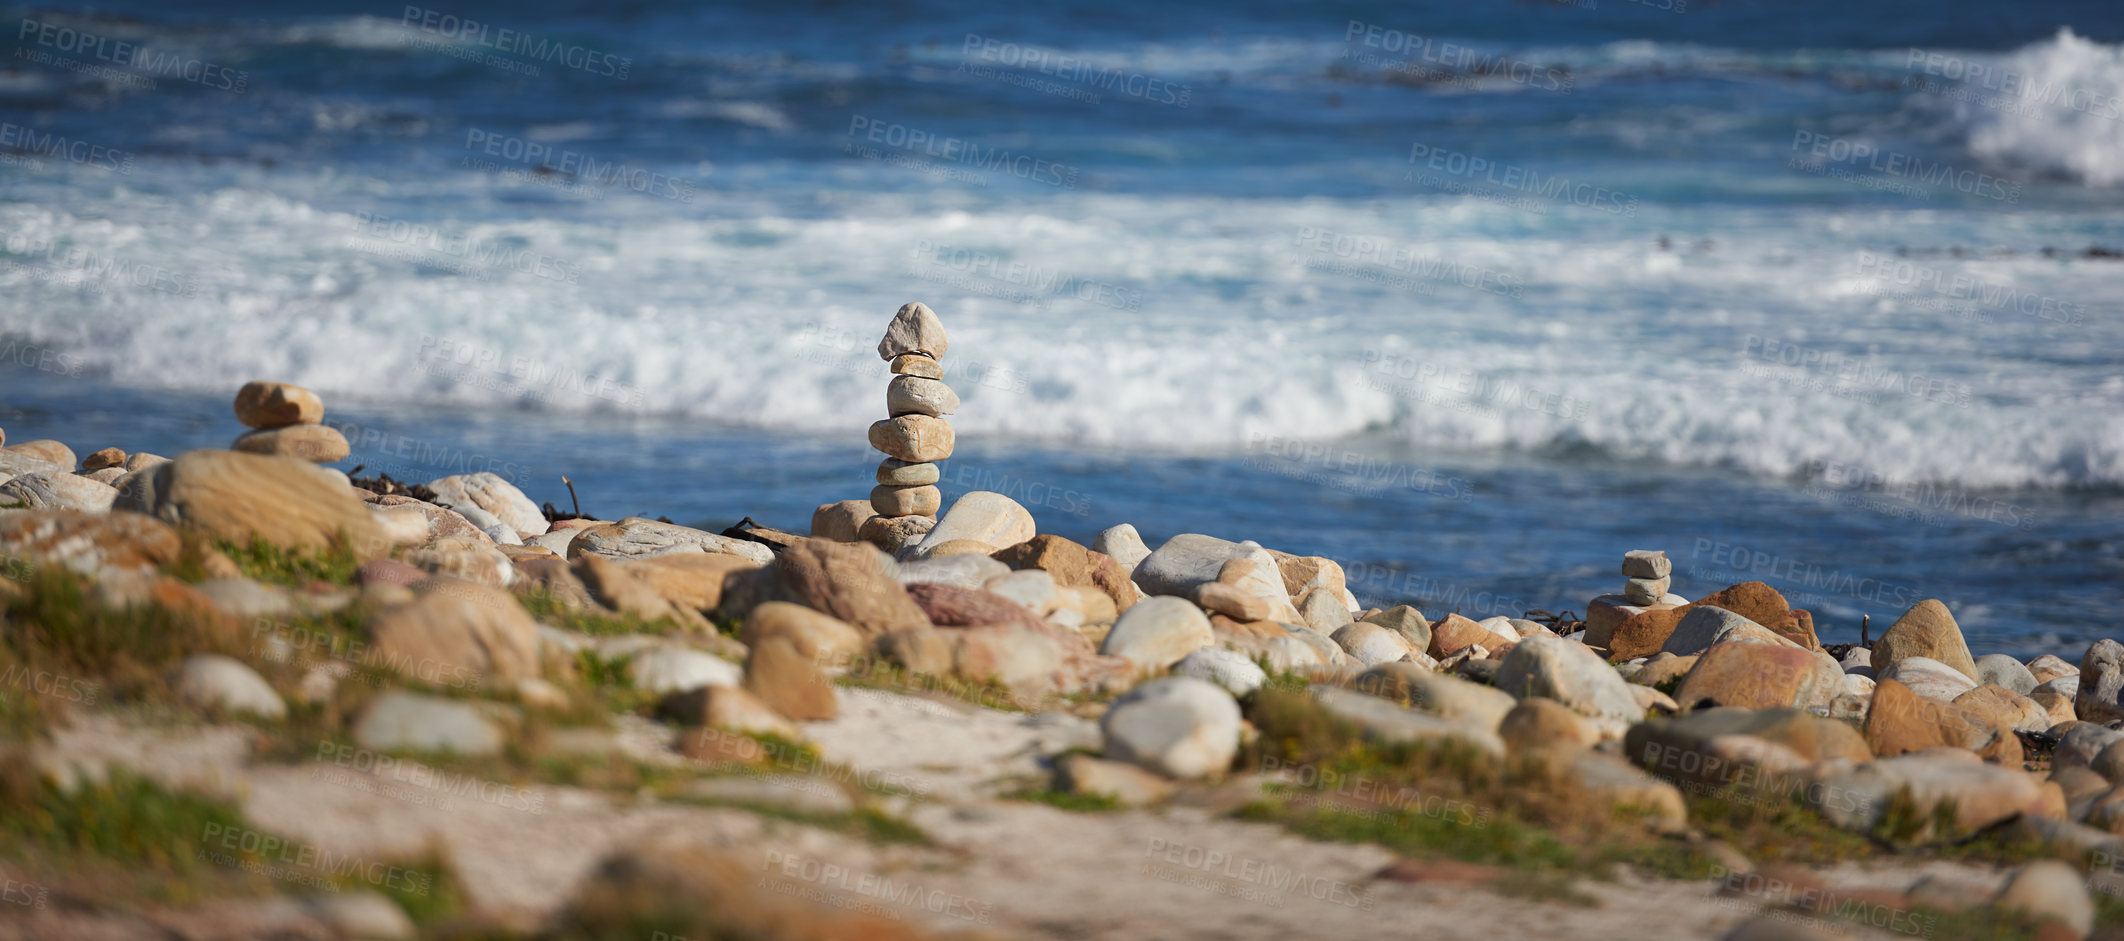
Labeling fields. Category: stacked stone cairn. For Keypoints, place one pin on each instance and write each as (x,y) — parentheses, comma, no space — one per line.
(288,420)
(915,435)
(1647,574)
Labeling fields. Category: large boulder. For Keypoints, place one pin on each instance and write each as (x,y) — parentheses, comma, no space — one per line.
(90,543)
(1072,565)
(488,491)
(1570,673)
(1727,745)
(1926,630)
(55,491)
(1178,726)
(239,497)
(1928,678)
(1755,675)
(1978,794)
(1646,633)
(2004,707)
(1901,721)
(1158,632)
(2101,683)
(455,634)
(2005,671)
(846,580)
(635,537)
(1706,626)
(318,444)
(980,516)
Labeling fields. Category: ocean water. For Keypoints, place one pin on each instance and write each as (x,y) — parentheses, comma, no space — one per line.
(1471,298)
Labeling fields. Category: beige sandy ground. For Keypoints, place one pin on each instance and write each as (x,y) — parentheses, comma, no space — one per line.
(1009,868)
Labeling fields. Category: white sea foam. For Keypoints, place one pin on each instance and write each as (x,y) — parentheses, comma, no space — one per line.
(2056,107)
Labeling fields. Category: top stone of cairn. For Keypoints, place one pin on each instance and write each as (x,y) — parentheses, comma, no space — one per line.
(915,329)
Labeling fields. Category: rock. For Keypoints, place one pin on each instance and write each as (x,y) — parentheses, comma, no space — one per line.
(1572,674)
(108,477)
(1324,611)
(819,637)
(1370,644)
(2049,667)
(1647,563)
(1230,601)
(1926,630)
(1535,724)
(889,500)
(667,669)
(1073,565)
(893,533)
(2005,671)
(2004,707)
(489,492)
(1604,614)
(1415,687)
(1859,661)
(1406,622)
(489,525)
(1798,628)
(318,444)
(917,364)
(1382,721)
(2057,697)
(1979,794)
(800,793)
(1453,633)
(1179,727)
(142,460)
(915,329)
(1759,676)
(946,606)
(1157,633)
(1929,678)
(1609,782)
(981,516)
(914,395)
(360,913)
(916,439)
(967,570)
(1025,659)
(615,585)
(1726,745)
(1649,699)
(1232,671)
(727,706)
(236,497)
(59,456)
(485,566)
(1647,633)
(388,572)
(215,682)
(1128,785)
(106,458)
(1900,721)
(1664,667)
(634,537)
(2049,890)
(397,720)
(1032,589)
(846,581)
(262,404)
(55,491)
(1705,626)
(2080,745)
(690,581)
(1185,563)
(246,598)
(1121,543)
(843,521)
(1645,591)
(781,675)
(455,634)
(2101,683)
(900,473)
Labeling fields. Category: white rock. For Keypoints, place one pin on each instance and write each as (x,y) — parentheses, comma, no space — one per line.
(918,396)
(412,722)
(982,516)
(1929,678)
(556,540)
(360,913)
(246,598)
(1502,627)
(1180,727)
(1371,644)
(491,525)
(915,328)
(1571,674)
(635,536)
(1122,543)
(678,669)
(1229,669)
(213,681)
(1033,588)
(489,492)
(1646,563)
(965,570)
(58,490)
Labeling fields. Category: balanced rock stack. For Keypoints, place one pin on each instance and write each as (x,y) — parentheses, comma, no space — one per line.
(915,436)
(288,421)
(1647,576)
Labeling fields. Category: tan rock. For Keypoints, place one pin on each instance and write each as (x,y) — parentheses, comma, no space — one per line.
(617,586)
(1926,630)
(141,460)
(1452,633)
(1901,721)
(51,490)
(237,497)
(732,708)
(906,501)
(915,328)
(635,536)
(263,404)
(318,444)
(45,449)
(2057,704)
(917,364)
(690,581)
(783,677)
(981,516)
(891,533)
(819,637)
(108,457)
(841,522)
(914,395)
(486,566)
(848,582)
(2005,708)
(1759,676)
(493,493)
(1128,785)
(1073,565)
(2051,666)
(1604,614)
(89,543)
(1662,668)
(455,634)
(899,473)
(1228,600)
(915,439)
(1644,634)
(1537,723)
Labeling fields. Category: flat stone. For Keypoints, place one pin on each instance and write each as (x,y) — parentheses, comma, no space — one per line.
(56,491)
(490,492)
(981,516)
(922,500)
(667,669)
(1929,678)
(402,721)
(1572,674)
(914,395)
(2005,671)
(1979,794)
(917,364)
(781,675)
(1407,622)
(236,497)
(261,404)
(1415,687)
(1382,721)
(1645,591)
(893,533)
(1646,563)
(1121,543)
(1179,727)
(915,439)
(802,793)
(1128,785)
(212,681)
(634,537)
(914,329)
(1371,644)
(1759,676)
(967,570)
(104,459)
(318,444)
(900,473)
(1157,633)
(1926,630)
(455,634)
(1232,671)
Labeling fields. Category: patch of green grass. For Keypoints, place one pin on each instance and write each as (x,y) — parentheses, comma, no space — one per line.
(124,819)
(1494,841)
(280,565)
(551,610)
(876,673)
(1774,827)
(65,648)
(1065,800)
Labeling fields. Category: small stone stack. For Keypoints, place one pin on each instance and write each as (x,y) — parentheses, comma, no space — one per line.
(1647,574)
(289,422)
(916,436)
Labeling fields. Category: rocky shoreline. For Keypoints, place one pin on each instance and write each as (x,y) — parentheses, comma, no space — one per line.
(1202,684)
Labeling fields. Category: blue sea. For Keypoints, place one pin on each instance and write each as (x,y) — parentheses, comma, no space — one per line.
(1470,297)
